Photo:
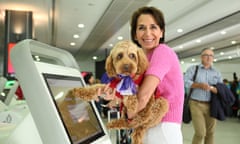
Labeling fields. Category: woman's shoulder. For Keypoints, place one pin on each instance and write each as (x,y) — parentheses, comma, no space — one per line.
(163,45)
(164,48)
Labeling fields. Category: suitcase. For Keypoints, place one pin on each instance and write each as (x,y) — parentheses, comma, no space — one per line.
(122,136)
(114,114)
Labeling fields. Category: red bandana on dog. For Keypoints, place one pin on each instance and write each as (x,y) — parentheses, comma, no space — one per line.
(125,85)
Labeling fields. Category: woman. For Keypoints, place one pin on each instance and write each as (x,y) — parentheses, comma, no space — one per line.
(164,73)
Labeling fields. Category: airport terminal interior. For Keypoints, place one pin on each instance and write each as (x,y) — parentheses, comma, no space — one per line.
(50,47)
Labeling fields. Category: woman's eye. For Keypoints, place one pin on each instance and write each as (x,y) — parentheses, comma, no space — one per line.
(141,28)
(154,27)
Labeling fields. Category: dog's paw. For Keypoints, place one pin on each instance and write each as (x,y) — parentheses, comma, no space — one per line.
(135,122)
(161,105)
(118,124)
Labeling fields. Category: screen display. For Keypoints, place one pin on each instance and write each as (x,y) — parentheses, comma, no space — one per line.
(78,116)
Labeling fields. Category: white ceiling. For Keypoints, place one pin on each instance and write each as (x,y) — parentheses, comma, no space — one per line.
(56,21)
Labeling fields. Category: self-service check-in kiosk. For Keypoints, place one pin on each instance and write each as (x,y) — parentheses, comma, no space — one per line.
(54,118)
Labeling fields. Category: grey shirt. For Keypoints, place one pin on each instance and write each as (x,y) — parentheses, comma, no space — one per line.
(210,76)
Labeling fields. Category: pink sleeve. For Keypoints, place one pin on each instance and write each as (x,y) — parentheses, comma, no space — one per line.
(160,61)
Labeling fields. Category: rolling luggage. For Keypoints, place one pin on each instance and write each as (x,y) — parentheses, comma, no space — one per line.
(122,136)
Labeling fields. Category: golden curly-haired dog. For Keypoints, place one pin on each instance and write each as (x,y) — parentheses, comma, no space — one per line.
(129,60)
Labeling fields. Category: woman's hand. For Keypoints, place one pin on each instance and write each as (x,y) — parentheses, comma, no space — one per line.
(107,93)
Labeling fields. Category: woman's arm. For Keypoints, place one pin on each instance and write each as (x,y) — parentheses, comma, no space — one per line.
(145,91)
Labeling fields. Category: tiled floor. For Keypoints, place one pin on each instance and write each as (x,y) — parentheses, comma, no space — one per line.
(227,132)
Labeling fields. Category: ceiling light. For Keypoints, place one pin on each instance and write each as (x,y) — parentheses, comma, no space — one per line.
(81,25)
(111,45)
(94,57)
(215,60)
(223,32)
(182,62)
(233,42)
(120,38)
(229,57)
(72,43)
(212,48)
(180,46)
(193,59)
(76,36)
(179,30)
(198,40)
(221,53)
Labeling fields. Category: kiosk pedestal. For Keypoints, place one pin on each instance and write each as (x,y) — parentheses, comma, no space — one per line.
(25,133)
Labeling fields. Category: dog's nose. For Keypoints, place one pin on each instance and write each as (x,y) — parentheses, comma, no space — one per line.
(126,67)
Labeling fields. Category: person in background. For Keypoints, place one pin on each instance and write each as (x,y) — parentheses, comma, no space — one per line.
(163,74)
(88,78)
(235,90)
(207,76)
(232,108)
(226,82)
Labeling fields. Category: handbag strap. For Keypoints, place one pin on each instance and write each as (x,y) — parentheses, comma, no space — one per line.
(194,78)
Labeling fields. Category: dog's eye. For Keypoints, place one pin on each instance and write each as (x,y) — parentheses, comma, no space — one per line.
(119,56)
(132,56)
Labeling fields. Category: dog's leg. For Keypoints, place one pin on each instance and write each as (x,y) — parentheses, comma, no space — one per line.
(149,117)
(143,116)
(138,135)
(159,109)
(87,93)
(131,103)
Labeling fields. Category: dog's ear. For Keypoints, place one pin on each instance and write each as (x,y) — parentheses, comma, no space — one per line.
(142,61)
(109,67)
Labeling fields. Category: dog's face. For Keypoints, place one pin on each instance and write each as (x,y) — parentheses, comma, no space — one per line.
(125,58)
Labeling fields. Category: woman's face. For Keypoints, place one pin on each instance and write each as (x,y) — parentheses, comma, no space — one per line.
(91,80)
(148,33)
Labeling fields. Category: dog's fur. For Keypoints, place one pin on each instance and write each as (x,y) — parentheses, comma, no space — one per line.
(126,58)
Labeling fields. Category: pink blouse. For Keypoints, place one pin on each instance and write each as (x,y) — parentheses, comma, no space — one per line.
(164,64)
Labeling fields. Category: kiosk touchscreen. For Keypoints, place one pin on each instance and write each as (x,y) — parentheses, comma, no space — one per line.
(59,118)
(79,118)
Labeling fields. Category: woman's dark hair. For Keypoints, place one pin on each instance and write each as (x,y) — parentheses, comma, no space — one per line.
(87,77)
(157,15)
